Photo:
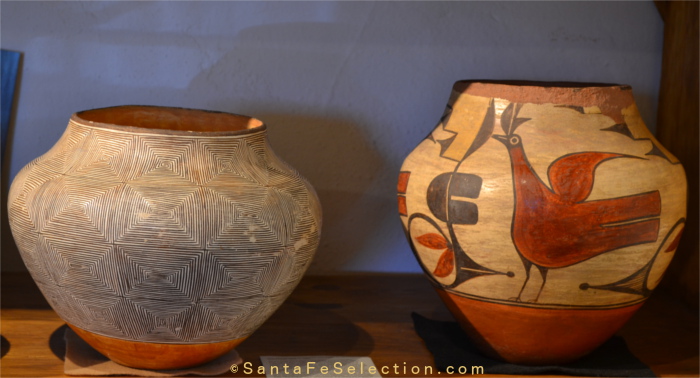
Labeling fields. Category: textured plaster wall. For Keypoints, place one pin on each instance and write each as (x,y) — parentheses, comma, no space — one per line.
(347,88)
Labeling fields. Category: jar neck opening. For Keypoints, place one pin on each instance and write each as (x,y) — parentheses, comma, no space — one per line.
(168,120)
(538,92)
(464,84)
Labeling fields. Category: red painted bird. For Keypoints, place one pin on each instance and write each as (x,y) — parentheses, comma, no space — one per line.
(556,227)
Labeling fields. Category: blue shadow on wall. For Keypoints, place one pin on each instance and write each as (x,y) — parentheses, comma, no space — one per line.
(10,69)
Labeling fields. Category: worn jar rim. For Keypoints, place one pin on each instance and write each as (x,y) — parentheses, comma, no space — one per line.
(545,84)
(542,92)
(150,119)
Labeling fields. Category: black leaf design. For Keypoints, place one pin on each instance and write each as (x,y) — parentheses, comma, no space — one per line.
(517,122)
(485,131)
(445,144)
(510,120)
(573,107)
(507,118)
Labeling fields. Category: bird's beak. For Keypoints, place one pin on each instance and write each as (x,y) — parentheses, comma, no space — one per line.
(501,138)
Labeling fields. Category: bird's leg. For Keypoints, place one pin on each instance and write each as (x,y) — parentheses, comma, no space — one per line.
(527,265)
(543,272)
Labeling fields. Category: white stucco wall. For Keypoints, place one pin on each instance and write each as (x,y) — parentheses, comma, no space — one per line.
(347,88)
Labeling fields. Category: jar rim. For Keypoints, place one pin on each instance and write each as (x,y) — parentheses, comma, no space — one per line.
(541,84)
(549,92)
(151,119)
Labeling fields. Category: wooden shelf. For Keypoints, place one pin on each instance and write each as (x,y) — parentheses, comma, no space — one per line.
(346,315)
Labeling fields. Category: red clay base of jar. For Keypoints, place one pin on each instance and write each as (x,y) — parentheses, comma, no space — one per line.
(155,356)
(535,336)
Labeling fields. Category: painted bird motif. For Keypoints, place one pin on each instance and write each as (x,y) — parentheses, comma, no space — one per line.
(555,227)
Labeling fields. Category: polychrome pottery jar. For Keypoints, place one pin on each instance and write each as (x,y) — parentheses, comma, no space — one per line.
(164,237)
(543,213)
